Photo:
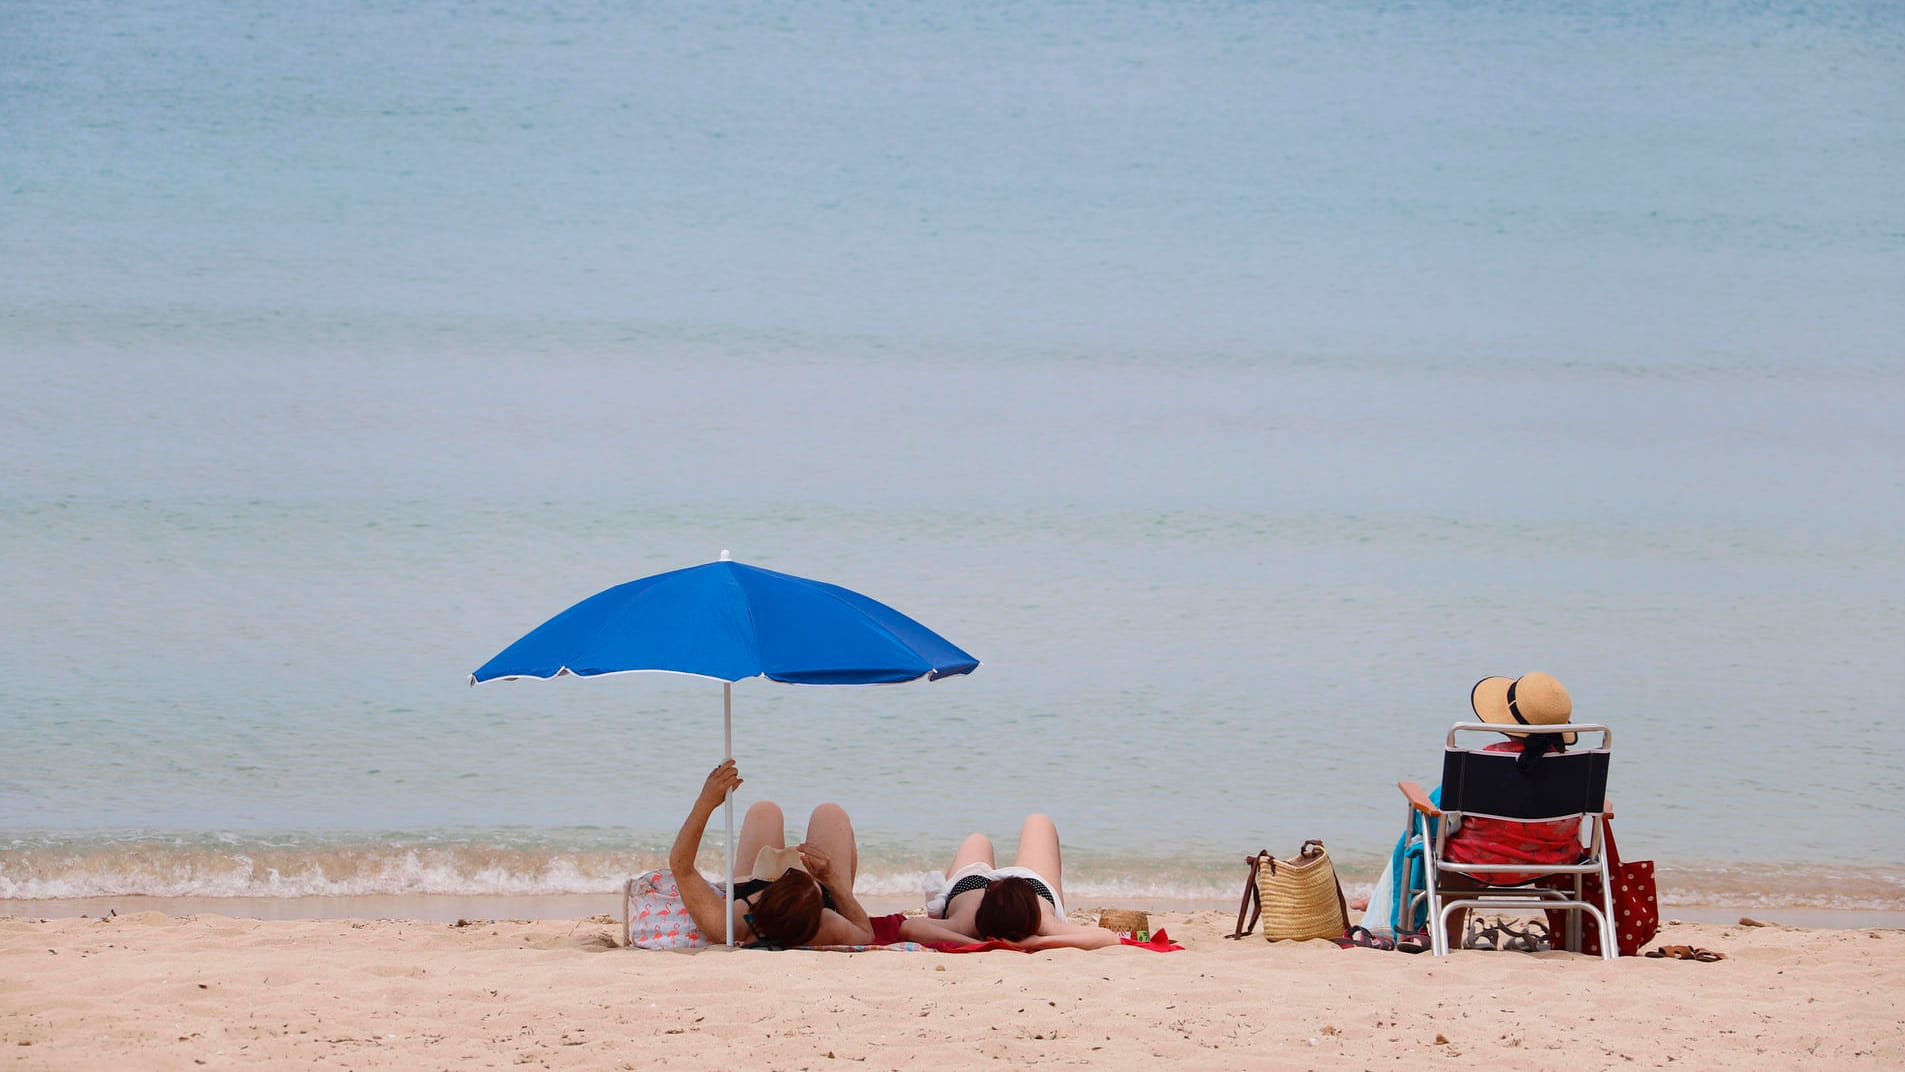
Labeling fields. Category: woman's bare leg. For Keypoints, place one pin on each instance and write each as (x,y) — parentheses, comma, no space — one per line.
(830,831)
(764,826)
(1038,850)
(976,849)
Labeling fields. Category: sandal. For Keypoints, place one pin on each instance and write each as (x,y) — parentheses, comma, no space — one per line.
(1363,938)
(1685,952)
(1482,935)
(1531,938)
(1412,943)
(1541,940)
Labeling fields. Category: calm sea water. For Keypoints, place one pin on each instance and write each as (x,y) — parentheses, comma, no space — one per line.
(1239,382)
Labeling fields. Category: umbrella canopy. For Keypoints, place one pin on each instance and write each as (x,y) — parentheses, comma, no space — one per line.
(729,621)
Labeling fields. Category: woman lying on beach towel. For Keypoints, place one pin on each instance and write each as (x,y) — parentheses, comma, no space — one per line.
(1023,904)
(795,897)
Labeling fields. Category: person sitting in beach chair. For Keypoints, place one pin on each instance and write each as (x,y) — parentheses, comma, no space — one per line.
(1498,824)
(795,897)
(1535,699)
(1022,905)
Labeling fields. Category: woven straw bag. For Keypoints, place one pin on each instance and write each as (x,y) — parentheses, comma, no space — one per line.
(1299,898)
(1128,923)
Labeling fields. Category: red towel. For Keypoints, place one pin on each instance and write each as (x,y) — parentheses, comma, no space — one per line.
(1160,943)
(971,947)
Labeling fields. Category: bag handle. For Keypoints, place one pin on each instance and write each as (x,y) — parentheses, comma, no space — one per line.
(1342,903)
(1251,902)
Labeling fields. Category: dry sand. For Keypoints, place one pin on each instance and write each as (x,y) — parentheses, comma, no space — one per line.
(153,991)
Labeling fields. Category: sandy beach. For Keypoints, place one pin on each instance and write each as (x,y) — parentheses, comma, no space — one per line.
(155,991)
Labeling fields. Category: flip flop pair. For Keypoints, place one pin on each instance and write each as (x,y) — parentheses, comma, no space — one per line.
(1685,952)
(1360,937)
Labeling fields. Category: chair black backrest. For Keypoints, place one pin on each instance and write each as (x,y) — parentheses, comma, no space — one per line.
(1491,783)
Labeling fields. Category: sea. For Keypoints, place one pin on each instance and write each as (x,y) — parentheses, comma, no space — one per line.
(1238,381)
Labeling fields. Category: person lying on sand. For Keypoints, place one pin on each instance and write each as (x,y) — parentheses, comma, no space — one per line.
(802,896)
(1023,904)
(794,897)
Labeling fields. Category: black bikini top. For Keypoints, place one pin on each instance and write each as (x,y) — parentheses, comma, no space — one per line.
(981,882)
(745,890)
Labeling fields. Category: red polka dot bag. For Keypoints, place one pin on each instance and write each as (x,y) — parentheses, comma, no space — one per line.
(1636,908)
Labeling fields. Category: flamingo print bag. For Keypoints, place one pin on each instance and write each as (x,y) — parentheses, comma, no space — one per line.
(654,917)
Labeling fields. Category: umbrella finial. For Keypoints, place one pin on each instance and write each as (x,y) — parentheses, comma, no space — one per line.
(725,557)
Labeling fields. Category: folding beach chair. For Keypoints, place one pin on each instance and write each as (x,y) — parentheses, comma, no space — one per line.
(1490,784)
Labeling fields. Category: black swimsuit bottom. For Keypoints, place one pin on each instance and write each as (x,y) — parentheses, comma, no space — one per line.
(980,882)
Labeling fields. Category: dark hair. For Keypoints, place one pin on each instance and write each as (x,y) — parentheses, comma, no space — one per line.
(1009,910)
(787,913)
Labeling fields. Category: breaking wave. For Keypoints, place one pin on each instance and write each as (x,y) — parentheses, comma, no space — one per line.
(160,868)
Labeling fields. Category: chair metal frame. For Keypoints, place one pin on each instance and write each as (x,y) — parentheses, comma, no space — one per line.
(1563,785)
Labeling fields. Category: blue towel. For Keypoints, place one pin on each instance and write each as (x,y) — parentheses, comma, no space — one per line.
(1411,858)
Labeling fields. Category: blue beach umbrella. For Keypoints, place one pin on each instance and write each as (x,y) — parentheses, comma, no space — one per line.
(729,621)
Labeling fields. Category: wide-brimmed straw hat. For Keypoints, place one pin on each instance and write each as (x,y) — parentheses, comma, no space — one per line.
(771,863)
(1535,699)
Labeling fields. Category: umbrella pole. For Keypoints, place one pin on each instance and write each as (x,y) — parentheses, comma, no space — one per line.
(727,744)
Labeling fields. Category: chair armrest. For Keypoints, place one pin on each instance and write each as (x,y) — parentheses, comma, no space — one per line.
(1418,799)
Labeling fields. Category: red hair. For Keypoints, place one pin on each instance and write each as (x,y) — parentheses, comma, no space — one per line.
(787,913)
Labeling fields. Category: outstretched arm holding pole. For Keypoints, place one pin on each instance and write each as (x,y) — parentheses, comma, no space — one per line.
(705,906)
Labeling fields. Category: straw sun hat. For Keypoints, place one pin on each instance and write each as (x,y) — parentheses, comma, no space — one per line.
(771,863)
(1535,699)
